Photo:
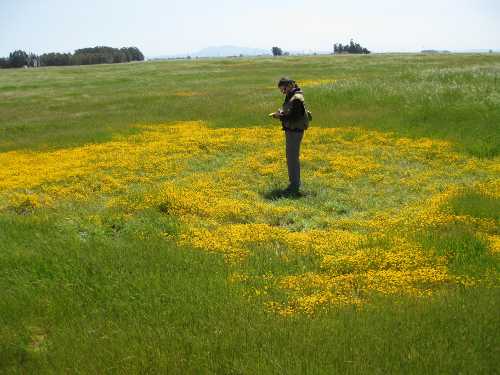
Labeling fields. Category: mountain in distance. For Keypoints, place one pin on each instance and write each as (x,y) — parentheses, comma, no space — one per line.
(224,51)
(220,51)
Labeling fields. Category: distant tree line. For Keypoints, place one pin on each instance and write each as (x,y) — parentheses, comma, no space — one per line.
(83,56)
(352,47)
(19,59)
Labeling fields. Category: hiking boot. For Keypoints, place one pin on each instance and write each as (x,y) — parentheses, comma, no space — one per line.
(291,191)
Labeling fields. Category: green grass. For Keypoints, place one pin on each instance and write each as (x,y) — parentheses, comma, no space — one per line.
(117,297)
(451,97)
(466,252)
(99,303)
(476,204)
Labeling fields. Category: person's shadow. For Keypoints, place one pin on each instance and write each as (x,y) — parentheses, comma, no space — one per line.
(276,194)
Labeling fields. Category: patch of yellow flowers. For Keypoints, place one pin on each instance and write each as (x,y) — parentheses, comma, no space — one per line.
(316,82)
(367,192)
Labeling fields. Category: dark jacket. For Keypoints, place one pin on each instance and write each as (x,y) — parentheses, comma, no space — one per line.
(293,116)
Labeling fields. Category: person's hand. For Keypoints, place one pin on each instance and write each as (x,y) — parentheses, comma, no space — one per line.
(277,114)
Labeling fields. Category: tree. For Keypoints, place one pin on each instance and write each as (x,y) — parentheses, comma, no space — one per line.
(134,54)
(82,56)
(107,55)
(55,59)
(18,59)
(4,62)
(277,51)
(126,52)
(352,47)
(33,60)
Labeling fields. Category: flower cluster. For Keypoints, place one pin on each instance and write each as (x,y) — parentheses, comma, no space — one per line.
(350,236)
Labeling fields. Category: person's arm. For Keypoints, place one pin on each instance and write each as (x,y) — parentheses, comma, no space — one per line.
(276,114)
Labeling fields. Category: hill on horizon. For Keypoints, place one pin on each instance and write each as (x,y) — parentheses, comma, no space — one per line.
(222,51)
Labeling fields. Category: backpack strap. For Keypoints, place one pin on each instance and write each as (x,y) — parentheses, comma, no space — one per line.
(298,96)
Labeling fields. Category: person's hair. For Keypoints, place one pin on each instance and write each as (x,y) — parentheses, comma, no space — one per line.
(286,82)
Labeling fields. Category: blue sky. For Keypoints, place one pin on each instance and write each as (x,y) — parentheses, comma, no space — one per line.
(170,27)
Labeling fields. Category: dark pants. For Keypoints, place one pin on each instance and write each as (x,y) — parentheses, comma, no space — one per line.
(293,140)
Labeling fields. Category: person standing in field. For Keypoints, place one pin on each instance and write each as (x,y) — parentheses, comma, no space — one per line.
(294,120)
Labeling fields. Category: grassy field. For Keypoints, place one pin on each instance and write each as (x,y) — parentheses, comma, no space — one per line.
(141,232)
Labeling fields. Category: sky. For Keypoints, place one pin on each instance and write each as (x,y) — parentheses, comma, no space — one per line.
(181,27)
